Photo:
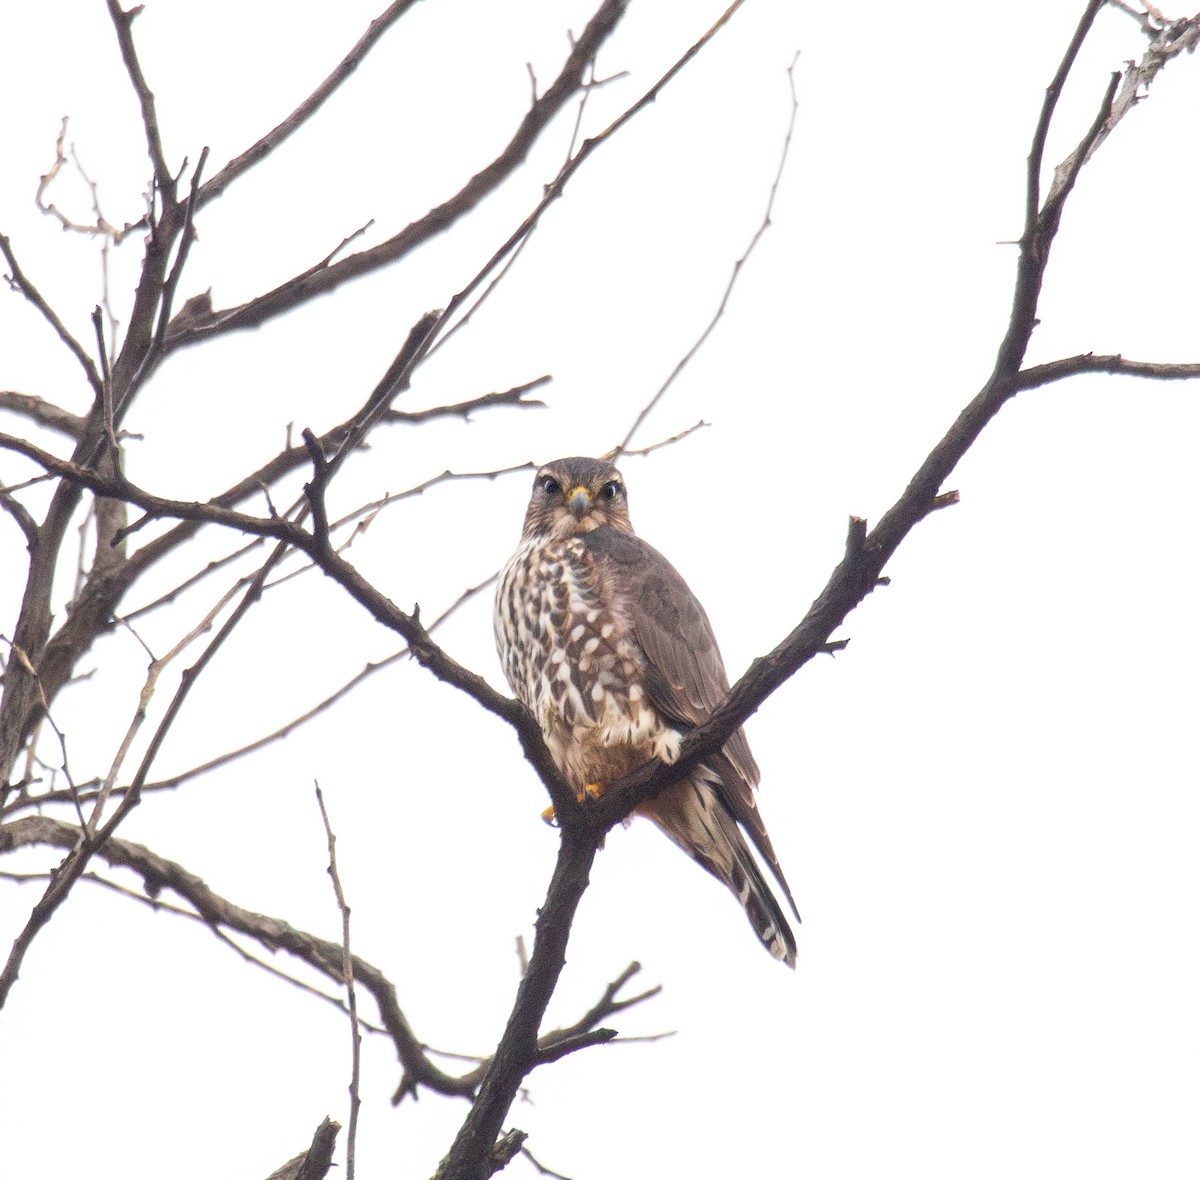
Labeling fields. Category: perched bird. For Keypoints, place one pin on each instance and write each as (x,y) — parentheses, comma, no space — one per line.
(604,643)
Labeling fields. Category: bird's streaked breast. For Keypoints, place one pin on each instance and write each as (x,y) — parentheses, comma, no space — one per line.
(571,659)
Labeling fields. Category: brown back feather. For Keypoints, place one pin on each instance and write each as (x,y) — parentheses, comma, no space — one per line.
(685,674)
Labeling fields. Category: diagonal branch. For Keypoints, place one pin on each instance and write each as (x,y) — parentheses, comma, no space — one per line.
(324,956)
(324,278)
(100,598)
(118,488)
(283,731)
(1039,231)
(19,282)
(259,151)
(1042,216)
(470,1156)
(287,532)
(351,991)
(123,24)
(44,413)
(25,522)
(464,409)
(555,189)
(1038,375)
(566,1040)
(91,841)
(622,448)
(1166,43)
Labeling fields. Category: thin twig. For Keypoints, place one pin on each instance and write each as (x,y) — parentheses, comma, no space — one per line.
(373,506)
(764,225)
(20,282)
(171,595)
(159,906)
(541,1168)
(20,514)
(22,658)
(555,189)
(464,410)
(588,83)
(663,442)
(106,395)
(157,666)
(122,23)
(187,235)
(348,981)
(327,703)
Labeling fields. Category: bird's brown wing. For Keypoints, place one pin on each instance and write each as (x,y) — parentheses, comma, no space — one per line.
(685,675)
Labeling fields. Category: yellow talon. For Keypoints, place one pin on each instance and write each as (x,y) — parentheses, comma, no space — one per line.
(591,791)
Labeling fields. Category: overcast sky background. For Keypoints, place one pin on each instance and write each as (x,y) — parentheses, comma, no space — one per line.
(986,806)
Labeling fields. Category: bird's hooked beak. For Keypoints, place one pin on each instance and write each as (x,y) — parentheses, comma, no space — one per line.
(579,500)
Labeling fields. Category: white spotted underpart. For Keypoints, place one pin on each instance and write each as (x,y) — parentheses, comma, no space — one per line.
(574,663)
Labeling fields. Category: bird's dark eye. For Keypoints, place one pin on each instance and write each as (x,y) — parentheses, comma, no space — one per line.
(610,490)
(550,485)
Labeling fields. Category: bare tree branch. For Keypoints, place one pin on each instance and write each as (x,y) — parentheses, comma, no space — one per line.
(21,515)
(541,1168)
(1089,362)
(395,380)
(508,397)
(289,533)
(764,225)
(666,442)
(1041,221)
(275,735)
(19,282)
(44,413)
(187,235)
(470,1157)
(348,983)
(159,906)
(113,394)
(99,599)
(1167,41)
(90,841)
(587,85)
(257,152)
(313,1164)
(159,873)
(122,23)
(322,279)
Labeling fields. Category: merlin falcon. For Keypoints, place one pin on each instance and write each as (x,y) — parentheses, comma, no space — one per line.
(604,643)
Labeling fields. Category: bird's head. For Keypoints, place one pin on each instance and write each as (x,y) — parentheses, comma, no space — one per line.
(573,496)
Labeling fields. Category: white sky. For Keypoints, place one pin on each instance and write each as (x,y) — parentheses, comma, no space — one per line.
(987,806)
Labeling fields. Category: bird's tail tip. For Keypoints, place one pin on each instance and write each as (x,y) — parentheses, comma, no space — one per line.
(763,910)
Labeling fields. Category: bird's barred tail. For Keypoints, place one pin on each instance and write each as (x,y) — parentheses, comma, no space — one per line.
(696,818)
(763,910)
